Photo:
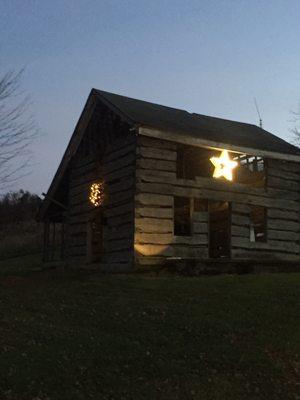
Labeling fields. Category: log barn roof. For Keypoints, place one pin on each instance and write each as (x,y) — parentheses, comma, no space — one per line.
(196,125)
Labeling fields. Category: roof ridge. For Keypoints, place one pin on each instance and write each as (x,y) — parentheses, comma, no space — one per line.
(144,101)
(99,91)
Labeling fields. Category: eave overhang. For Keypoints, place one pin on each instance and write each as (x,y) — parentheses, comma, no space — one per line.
(197,141)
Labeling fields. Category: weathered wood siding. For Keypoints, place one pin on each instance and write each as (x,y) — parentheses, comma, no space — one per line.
(117,170)
(157,184)
(281,198)
(83,172)
(119,176)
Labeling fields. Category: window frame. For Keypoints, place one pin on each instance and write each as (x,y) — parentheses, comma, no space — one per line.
(253,224)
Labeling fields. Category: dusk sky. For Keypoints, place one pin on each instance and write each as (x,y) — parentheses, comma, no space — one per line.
(209,57)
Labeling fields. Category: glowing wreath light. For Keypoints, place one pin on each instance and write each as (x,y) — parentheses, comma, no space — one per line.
(96,194)
(223,166)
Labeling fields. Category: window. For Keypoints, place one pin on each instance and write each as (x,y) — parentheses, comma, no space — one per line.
(194,161)
(258,224)
(182,216)
(251,170)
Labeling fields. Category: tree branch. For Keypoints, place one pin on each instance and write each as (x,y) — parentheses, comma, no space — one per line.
(17,128)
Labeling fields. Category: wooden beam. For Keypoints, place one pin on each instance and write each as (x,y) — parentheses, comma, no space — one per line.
(55,201)
(210,144)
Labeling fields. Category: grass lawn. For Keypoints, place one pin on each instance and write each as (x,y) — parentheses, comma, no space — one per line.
(73,335)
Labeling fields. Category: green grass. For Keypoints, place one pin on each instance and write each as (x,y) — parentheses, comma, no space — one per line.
(73,335)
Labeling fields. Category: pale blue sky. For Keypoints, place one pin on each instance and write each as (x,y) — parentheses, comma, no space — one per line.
(210,57)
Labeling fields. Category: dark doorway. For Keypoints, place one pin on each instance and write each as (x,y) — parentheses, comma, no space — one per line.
(219,229)
(95,237)
(182,216)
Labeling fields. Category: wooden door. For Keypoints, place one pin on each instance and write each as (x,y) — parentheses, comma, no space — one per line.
(95,237)
(219,229)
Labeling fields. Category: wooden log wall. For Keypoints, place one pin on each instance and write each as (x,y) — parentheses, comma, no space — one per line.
(154,202)
(283,212)
(83,172)
(117,170)
(119,176)
(157,184)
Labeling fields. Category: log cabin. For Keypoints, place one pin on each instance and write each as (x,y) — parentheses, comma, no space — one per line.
(141,184)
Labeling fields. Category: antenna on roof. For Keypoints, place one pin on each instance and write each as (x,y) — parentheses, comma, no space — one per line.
(258,113)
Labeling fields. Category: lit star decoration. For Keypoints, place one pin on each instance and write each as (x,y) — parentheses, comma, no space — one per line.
(223,166)
(97,194)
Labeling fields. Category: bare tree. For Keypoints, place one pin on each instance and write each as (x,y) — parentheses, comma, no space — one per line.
(296,129)
(17,129)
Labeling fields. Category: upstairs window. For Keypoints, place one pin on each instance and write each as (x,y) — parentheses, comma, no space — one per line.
(194,161)
(258,224)
(182,216)
(251,170)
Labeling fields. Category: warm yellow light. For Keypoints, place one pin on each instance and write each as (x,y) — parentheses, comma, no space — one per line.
(96,194)
(150,249)
(223,166)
